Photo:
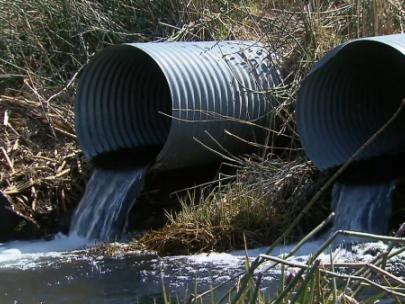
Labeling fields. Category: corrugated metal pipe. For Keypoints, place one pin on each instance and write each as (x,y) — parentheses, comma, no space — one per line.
(351,93)
(174,97)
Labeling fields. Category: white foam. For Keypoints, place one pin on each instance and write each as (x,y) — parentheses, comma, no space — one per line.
(358,253)
(24,254)
(214,258)
(31,254)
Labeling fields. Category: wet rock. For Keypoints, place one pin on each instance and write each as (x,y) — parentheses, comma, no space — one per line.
(14,225)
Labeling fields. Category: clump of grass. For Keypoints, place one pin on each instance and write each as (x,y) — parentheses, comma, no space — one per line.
(252,210)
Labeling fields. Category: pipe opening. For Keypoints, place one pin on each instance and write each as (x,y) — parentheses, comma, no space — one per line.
(347,98)
(120,100)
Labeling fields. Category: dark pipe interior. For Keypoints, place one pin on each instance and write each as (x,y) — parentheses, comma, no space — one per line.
(345,101)
(126,159)
(161,193)
(375,170)
(121,96)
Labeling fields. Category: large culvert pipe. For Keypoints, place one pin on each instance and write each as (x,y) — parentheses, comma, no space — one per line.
(351,93)
(174,97)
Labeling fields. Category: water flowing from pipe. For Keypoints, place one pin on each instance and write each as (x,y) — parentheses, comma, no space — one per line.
(363,207)
(109,196)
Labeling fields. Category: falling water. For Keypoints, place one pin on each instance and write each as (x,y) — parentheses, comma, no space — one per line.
(103,209)
(365,208)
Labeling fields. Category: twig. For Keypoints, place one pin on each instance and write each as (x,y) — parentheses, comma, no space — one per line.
(9,162)
(311,234)
(377,269)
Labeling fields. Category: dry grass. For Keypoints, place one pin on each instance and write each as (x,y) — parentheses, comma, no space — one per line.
(42,166)
(45,44)
(251,211)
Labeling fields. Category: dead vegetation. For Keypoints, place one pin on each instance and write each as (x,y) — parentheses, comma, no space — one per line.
(42,163)
(45,44)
